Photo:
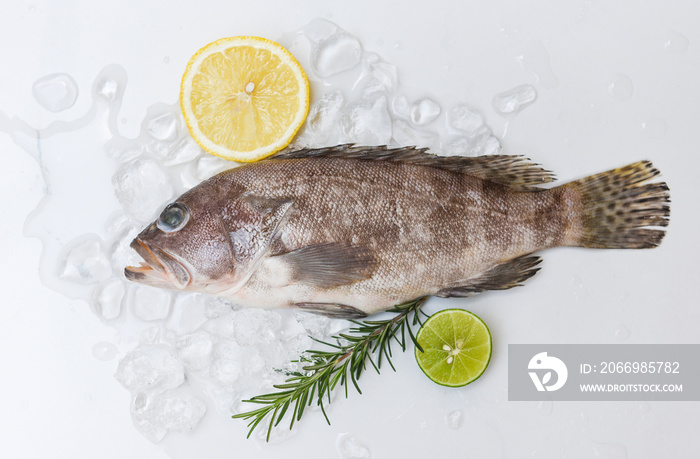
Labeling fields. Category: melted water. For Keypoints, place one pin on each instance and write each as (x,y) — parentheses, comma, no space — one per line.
(179,350)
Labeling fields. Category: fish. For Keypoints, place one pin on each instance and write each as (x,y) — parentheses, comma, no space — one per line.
(349,231)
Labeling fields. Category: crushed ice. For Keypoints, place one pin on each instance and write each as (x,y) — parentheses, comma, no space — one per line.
(180,352)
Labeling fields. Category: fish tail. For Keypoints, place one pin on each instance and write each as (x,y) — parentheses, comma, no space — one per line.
(616,208)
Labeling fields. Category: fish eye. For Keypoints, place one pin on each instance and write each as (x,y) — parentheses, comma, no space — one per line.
(173,217)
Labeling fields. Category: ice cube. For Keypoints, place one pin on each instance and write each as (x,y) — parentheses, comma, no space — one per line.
(226,349)
(221,326)
(489,146)
(178,411)
(424,111)
(150,303)
(225,371)
(142,188)
(315,325)
(173,410)
(215,307)
(405,134)
(110,83)
(161,123)
(367,122)
(122,254)
(251,362)
(107,300)
(186,149)
(511,102)
(124,150)
(55,92)
(187,314)
(465,119)
(108,88)
(334,50)
(150,367)
(195,349)
(208,166)
(85,261)
(383,73)
(480,143)
(322,121)
(349,448)
(401,106)
(255,326)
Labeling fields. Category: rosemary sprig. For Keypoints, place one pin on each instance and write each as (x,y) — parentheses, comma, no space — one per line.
(328,369)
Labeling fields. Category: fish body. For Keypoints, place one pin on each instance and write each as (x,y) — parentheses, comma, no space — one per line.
(350,231)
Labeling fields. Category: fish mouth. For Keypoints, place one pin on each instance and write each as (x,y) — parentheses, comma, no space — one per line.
(159,269)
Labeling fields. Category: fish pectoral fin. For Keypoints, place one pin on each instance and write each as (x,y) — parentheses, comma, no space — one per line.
(329,265)
(507,275)
(332,310)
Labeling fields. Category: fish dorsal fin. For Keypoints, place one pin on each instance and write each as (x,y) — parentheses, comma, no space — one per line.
(511,170)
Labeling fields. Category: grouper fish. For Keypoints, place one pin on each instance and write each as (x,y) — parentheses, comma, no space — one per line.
(349,231)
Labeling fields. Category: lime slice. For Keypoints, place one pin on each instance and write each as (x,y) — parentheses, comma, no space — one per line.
(457,347)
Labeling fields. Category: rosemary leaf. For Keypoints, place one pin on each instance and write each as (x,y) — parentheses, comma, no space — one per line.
(326,370)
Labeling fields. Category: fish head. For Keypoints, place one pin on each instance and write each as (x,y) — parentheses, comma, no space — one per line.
(205,241)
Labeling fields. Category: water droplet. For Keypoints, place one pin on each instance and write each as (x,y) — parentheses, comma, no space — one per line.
(676,43)
(454,419)
(166,59)
(655,128)
(104,351)
(511,102)
(620,87)
(349,448)
(622,333)
(533,56)
(55,92)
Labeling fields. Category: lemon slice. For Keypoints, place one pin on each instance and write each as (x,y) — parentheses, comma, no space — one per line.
(244,98)
(456,345)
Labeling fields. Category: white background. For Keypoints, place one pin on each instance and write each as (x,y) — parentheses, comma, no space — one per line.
(59,401)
